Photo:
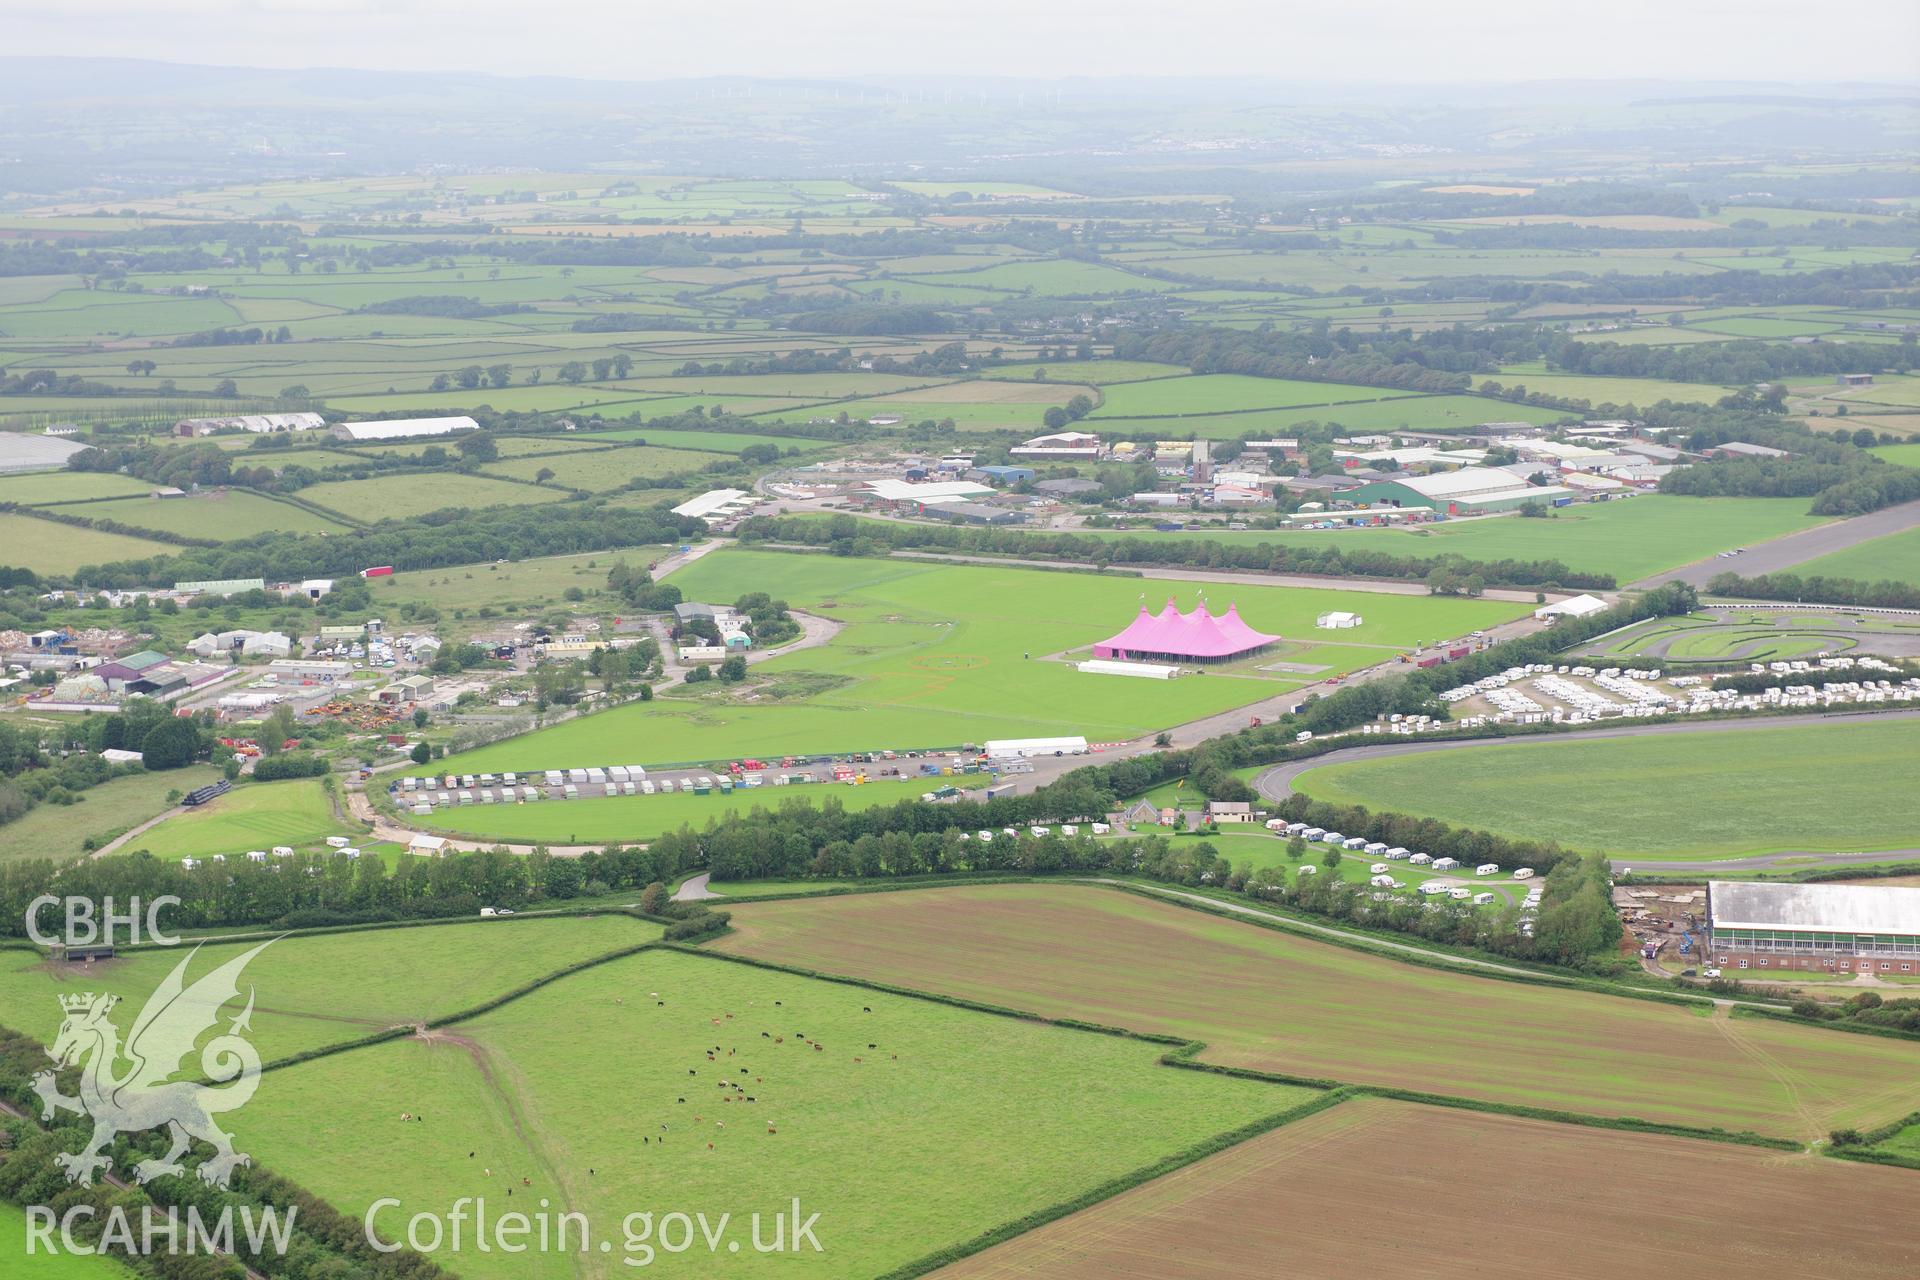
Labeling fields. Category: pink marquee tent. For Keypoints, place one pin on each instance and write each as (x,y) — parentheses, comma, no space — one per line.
(1196,636)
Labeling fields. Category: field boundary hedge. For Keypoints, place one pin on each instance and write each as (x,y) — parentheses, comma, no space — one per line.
(1830,1024)
(370,926)
(1113,1186)
(546,980)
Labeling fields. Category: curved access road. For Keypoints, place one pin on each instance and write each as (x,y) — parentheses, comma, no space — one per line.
(1276,783)
(1776,555)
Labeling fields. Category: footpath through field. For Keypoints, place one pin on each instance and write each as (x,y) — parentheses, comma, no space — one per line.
(1779,554)
(1276,783)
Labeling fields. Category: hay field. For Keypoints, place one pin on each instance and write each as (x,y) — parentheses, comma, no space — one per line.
(1381,1188)
(877,1140)
(1276,1002)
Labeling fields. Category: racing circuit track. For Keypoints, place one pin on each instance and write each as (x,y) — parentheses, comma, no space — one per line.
(1276,783)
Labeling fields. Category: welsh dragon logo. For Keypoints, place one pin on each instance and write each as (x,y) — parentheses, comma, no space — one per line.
(142,1096)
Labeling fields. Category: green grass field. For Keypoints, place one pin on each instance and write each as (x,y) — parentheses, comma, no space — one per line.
(1895,557)
(573,1077)
(397,976)
(607,468)
(46,547)
(1679,796)
(600,819)
(1280,1002)
(532,584)
(55,1266)
(935,655)
(396,497)
(254,816)
(42,488)
(1905,455)
(58,831)
(227,516)
(1631,538)
(1223,392)
(1598,391)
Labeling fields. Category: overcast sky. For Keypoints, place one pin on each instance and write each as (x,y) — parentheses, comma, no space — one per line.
(1424,41)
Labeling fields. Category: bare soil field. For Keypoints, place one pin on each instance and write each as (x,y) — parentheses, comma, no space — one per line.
(1275,1002)
(1374,1187)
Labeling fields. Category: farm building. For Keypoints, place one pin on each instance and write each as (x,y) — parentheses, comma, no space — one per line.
(1853,380)
(1468,491)
(1064,444)
(1199,636)
(427,846)
(1573,607)
(1006,474)
(1741,449)
(258,423)
(61,430)
(1818,927)
(716,504)
(972,513)
(219,586)
(20,452)
(404,428)
(406,689)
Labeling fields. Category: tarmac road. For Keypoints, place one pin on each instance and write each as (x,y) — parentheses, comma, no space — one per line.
(1275,783)
(1780,554)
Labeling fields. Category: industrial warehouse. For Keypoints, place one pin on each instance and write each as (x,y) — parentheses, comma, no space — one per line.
(1815,927)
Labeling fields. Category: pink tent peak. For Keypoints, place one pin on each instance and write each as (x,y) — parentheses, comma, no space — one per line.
(1172,634)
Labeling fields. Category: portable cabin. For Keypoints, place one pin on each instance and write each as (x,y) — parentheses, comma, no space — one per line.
(1311,833)
(1395,854)
(1381,882)
(1101,828)
(256,855)
(1296,828)
(1487,869)
(618,773)
(635,772)
(465,797)
(1069,829)
(1524,873)
(1332,837)
(596,777)
(1460,893)
(1354,842)
(468,781)
(511,779)
(1445,864)
(529,793)
(486,795)
(1419,859)
(1378,868)
(486,779)
(282,851)
(350,853)
(1432,887)
(626,788)
(189,863)
(1309,871)
(570,792)
(555,777)
(1482,899)
(1375,849)
(422,811)
(338,842)
(576,775)
(409,784)
(612,788)
(1041,831)
(646,787)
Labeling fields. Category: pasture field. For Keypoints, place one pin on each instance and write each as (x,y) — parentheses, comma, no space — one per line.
(226,515)
(1904,1143)
(1895,557)
(58,831)
(1719,1205)
(1399,412)
(935,655)
(45,546)
(717,441)
(1749,790)
(59,1265)
(1278,1002)
(565,1079)
(398,976)
(602,819)
(396,496)
(1227,392)
(1100,373)
(1904,455)
(257,815)
(531,585)
(47,487)
(1631,538)
(604,469)
(1600,390)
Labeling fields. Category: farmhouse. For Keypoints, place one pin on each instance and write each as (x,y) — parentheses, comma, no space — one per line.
(404,428)
(1468,491)
(1819,927)
(258,423)
(1199,636)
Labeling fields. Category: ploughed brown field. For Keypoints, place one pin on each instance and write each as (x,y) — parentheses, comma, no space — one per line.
(1277,1002)
(1381,1188)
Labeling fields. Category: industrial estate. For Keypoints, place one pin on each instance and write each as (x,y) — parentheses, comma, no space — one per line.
(1128,687)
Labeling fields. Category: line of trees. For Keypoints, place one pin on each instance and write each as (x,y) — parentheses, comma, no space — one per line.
(845,535)
(1887,593)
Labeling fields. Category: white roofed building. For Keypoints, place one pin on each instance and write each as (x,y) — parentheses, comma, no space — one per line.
(1841,928)
(404,428)
(1064,444)
(716,504)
